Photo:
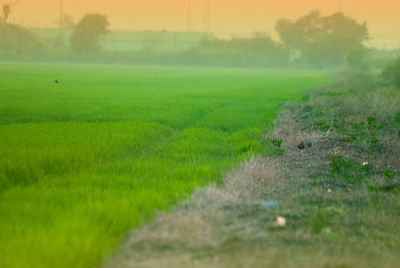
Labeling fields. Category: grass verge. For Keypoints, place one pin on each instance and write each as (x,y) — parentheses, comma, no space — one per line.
(331,171)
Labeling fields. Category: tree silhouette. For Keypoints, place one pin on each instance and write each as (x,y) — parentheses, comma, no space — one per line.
(86,33)
(323,40)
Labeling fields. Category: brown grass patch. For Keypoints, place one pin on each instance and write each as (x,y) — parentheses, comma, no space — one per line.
(207,220)
(337,216)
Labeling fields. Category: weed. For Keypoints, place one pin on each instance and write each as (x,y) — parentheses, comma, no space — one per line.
(389,174)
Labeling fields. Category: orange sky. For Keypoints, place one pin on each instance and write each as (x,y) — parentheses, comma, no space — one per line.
(227,16)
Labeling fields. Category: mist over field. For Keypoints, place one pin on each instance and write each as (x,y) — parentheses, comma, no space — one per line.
(199,133)
(332,34)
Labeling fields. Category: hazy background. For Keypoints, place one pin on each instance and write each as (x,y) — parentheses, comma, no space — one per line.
(227,17)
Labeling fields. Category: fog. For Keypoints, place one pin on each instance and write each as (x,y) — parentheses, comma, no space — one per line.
(194,32)
(226,18)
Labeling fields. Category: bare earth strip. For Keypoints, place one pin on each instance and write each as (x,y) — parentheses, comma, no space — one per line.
(329,222)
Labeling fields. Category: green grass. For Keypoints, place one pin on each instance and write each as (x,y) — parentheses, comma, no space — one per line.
(83,161)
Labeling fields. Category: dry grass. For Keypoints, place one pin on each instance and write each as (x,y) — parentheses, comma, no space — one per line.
(208,220)
(334,219)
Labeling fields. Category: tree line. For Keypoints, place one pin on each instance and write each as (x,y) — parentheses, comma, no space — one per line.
(314,40)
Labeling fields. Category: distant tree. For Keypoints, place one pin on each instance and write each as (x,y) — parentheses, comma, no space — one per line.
(260,49)
(392,73)
(323,40)
(356,59)
(86,33)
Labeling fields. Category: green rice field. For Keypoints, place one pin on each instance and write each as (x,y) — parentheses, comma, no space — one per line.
(84,161)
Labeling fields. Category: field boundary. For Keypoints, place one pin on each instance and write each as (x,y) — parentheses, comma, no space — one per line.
(294,207)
